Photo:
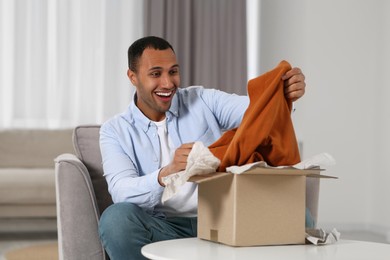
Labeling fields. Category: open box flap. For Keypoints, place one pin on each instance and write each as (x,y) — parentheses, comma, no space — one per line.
(321,176)
(208,177)
(315,173)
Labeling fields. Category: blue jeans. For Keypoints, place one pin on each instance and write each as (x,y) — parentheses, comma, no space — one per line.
(125,228)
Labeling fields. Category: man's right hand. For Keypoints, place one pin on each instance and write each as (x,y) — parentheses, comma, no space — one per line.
(178,163)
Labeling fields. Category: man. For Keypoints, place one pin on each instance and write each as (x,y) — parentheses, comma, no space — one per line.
(152,139)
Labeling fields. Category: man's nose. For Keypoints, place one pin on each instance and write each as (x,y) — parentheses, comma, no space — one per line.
(166,81)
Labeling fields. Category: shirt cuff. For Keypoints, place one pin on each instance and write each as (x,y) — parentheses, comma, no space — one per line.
(155,187)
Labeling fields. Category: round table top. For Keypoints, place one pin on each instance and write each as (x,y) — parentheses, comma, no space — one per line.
(195,248)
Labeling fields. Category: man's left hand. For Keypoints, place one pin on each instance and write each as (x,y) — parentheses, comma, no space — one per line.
(294,84)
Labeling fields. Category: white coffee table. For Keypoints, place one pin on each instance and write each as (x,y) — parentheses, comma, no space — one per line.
(197,249)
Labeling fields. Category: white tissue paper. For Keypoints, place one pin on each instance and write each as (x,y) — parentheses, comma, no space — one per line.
(200,161)
(321,237)
(320,160)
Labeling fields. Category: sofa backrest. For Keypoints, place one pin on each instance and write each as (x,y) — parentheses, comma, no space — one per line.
(33,148)
(86,145)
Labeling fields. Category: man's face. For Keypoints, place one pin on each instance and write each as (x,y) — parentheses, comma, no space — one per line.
(157,79)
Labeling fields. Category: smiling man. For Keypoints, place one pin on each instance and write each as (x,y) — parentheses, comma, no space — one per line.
(152,139)
(156,78)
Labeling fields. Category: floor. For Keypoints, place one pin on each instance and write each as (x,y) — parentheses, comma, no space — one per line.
(10,241)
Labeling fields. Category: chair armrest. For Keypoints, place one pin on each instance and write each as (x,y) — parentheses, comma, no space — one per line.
(77,211)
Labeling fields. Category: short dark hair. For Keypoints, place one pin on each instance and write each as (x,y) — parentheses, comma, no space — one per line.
(137,48)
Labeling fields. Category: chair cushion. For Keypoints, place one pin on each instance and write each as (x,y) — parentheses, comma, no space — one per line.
(86,144)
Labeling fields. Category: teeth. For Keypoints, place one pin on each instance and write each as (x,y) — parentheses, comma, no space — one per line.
(165,94)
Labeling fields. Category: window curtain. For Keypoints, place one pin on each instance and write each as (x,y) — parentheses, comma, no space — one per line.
(209,38)
(63,62)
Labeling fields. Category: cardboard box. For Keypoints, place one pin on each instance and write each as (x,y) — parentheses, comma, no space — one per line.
(263,206)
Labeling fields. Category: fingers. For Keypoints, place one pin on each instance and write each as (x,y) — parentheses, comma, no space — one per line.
(178,163)
(186,146)
(294,90)
(295,95)
(294,84)
(292,72)
(183,151)
(181,155)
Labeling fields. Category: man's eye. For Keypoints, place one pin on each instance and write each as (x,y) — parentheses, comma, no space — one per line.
(174,72)
(155,74)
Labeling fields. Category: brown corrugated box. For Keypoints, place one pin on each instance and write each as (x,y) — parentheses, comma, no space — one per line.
(263,206)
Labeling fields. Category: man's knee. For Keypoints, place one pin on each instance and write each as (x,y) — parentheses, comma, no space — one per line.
(119,217)
(118,211)
(121,231)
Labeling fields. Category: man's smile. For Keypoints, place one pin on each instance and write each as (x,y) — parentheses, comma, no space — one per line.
(165,96)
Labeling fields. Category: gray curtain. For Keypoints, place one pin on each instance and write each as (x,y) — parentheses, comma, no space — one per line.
(209,37)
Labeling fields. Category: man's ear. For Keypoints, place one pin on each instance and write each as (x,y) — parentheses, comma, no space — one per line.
(132,76)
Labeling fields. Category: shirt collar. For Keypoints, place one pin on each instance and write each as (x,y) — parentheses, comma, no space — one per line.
(137,117)
(174,109)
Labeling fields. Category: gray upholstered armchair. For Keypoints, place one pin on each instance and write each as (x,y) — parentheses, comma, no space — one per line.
(82,196)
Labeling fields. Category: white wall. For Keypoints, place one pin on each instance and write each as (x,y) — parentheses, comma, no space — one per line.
(381,182)
(343,48)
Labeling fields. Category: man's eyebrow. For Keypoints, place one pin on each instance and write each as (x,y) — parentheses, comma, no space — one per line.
(156,68)
(160,68)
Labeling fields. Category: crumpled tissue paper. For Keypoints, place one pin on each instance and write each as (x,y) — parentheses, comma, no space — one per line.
(200,161)
(321,237)
(320,160)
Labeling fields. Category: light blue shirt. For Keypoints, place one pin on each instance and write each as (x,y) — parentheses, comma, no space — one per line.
(130,146)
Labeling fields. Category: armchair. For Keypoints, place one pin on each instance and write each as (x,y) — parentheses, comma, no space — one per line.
(82,195)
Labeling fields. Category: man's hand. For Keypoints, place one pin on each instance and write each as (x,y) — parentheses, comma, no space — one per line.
(178,163)
(294,84)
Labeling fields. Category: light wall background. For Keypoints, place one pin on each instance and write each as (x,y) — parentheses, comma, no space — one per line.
(343,47)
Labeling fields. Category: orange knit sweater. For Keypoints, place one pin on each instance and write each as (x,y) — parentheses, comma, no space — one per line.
(266,132)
